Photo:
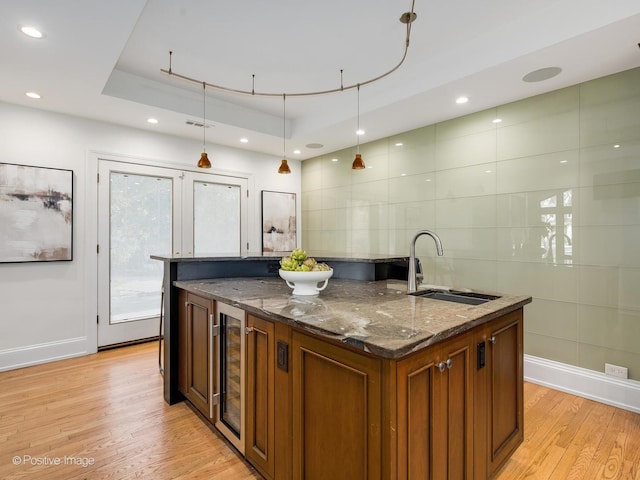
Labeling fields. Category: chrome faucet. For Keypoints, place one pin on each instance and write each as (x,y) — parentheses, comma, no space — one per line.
(411,281)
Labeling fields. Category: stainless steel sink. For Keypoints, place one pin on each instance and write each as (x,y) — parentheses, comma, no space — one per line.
(469,298)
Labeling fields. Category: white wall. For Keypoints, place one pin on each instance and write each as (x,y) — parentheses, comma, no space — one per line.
(48,310)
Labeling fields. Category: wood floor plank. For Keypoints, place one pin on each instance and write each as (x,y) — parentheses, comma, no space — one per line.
(570,438)
(108,408)
(580,452)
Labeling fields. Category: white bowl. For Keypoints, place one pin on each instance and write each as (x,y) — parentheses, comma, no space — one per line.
(306,283)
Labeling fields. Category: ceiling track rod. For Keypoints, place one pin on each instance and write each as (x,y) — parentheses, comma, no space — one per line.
(406,18)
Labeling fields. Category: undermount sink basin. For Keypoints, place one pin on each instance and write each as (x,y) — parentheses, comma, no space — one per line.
(469,298)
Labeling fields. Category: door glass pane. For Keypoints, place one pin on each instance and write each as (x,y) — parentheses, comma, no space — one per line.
(231,412)
(216,219)
(140,216)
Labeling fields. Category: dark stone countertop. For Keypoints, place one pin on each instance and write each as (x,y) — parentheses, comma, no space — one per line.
(374,316)
(276,258)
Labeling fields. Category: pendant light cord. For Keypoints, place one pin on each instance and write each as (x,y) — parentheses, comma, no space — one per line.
(284,126)
(358,130)
(204,115)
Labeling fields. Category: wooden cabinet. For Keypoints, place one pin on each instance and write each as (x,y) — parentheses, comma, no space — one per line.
(260,391)
(336,412)
(196,324)
(317,409)
(435,412)
(268,442)
(500,408)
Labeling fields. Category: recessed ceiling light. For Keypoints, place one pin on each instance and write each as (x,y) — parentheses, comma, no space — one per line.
(461,100)
(616,146)
(541,74)
(427,179)
(334,159)
(487,171)
(403,174)
(564,161)
(31,31)
(360,132)
(497,120)
(314,145)
(244,140)
(297,152)
(152,120)
(32,95)
(399,144)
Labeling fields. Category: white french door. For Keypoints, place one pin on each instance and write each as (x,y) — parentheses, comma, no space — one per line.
(146,211)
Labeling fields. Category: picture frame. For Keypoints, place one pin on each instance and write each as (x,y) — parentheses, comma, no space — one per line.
(36,214)
(279,223)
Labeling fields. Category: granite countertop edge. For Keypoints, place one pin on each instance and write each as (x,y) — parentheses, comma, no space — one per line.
(276,258)
(373,316)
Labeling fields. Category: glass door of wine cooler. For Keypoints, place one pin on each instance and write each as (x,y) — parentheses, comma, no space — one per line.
(230,378)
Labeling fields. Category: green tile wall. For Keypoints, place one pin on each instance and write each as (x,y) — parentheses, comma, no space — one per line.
(545,203)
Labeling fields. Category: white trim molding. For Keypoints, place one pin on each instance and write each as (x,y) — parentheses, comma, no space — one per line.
(583,382)
(13,358)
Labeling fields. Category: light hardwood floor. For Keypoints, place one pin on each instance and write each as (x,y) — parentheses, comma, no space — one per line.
(107,409)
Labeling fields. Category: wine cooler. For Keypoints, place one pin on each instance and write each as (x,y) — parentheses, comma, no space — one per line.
(230,374)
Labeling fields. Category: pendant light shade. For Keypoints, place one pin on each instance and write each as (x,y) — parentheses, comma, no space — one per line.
(204,159)
(284,166)
(358,163)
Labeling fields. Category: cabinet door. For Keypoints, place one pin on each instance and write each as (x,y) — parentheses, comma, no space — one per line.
(505,377)
(435,413)
(336,412)
(260,405)
(418,383)
(198,356)
(456,394)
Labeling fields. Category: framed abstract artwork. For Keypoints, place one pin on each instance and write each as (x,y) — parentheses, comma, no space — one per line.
(278,222)
(36,214)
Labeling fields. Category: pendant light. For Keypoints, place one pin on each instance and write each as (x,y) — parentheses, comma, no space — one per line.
(204,159)
(358,163)
(284,167)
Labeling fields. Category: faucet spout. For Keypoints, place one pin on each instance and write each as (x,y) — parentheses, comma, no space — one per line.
(411,280)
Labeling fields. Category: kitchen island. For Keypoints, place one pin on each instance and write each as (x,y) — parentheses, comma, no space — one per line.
(361,381)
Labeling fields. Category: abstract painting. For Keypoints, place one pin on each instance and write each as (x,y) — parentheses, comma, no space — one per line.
(278,223)
(36,214)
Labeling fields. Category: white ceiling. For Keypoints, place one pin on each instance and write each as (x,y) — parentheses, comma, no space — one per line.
(102,60)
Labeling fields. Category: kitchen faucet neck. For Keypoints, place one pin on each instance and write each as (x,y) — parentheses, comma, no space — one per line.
(412,280)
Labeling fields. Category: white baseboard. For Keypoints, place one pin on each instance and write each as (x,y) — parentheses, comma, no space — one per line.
(583,382)
(13,358)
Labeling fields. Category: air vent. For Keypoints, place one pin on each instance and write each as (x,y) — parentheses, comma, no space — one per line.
(199,124)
